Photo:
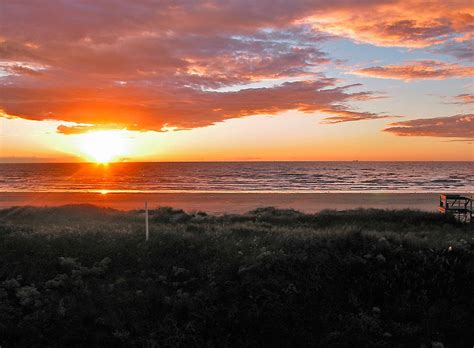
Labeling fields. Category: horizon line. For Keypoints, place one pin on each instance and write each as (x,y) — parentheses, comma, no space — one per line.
(228,161)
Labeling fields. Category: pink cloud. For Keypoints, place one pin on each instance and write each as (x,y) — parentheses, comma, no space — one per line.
(465,98)
(458,126)
(147,65)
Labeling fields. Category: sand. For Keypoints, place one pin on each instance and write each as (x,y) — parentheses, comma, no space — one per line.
(229,202)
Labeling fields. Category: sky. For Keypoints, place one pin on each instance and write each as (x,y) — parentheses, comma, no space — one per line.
(236,80)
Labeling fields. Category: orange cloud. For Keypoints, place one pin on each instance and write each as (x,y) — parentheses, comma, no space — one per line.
(68,130)
(158,108)
(459,126)
(418,70)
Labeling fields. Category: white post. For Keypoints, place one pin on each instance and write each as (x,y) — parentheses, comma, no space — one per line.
(147,234)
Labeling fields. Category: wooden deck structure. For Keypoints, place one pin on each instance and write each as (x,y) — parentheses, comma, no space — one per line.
(458,205)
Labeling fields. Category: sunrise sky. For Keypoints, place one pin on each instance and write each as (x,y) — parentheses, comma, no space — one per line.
(236,80)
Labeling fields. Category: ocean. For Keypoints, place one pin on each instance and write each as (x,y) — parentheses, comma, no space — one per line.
(403,177)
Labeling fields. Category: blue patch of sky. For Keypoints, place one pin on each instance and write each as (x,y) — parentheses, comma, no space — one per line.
(416,98)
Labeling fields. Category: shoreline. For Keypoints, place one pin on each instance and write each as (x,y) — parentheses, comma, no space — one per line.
(219,203)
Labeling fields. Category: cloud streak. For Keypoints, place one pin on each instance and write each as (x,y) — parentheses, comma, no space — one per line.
(458,126)
(418,70)
(465,98)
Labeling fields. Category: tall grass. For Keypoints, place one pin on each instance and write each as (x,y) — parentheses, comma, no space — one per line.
(82,276)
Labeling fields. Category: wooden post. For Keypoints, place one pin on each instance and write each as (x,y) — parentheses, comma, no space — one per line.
(147,234)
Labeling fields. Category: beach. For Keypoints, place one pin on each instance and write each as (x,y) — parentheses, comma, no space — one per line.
(235,187)
(219,203)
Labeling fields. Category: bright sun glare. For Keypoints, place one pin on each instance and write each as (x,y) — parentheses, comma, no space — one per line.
(104,146)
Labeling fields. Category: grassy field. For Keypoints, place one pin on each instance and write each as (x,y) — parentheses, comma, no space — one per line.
(84,276)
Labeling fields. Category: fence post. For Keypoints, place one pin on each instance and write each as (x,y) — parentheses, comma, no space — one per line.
(147,234)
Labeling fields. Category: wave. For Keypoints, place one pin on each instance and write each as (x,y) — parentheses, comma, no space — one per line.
(239,177)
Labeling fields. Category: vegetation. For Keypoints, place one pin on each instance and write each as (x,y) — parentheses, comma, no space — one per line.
(84,276)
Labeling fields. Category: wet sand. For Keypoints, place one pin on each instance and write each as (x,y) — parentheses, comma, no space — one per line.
(229,202)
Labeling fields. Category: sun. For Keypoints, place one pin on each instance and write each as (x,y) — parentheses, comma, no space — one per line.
(104,146)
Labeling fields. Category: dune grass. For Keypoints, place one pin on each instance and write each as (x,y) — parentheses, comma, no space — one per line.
(84,276)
